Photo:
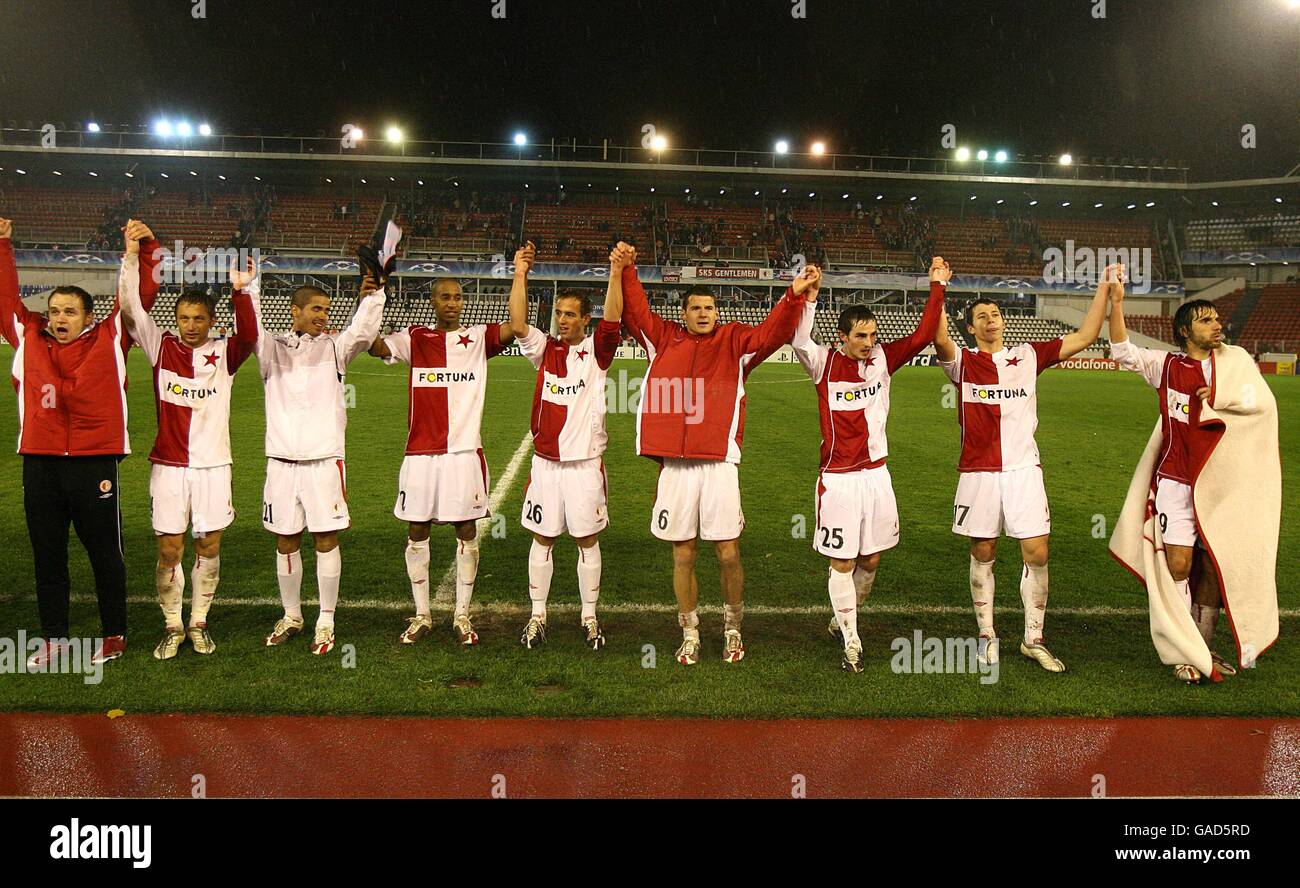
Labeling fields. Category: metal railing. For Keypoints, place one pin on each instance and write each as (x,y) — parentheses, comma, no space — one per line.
(1033,166)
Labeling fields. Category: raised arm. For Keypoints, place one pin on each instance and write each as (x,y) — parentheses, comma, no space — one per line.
(14,316)
(524,258)
(1149,362)
(248,329)
(779,325)
(1090,329)
(641,322)
(135,318)
(619,258)
(900,351)
(945,349)
(811,355)
(360,334)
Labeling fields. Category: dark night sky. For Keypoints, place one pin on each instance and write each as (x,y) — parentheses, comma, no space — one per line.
(1155,79)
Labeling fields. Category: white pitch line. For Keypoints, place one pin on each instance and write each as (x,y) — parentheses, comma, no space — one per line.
(509,608)
(447,587)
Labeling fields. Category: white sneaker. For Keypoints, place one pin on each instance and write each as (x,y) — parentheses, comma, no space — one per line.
(534,634)
(323,643)
(464,630)
(689,653)
(417,627)
(987,652)
(40,661)
(170,645)
(1039,653)
(733,650)
(852,661)
(285,629)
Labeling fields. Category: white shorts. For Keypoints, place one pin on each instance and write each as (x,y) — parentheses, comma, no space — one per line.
(181,497)
(443,488)
(1175,513)
(566,496)
(989,504)
(697,496)
(856,513)
(310,495)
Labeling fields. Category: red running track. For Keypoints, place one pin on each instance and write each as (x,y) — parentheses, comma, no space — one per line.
(248,756)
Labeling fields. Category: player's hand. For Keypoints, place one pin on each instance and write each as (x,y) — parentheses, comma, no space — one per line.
(809,278)
(525,256)
(240,280)
(1203,393)
(1114,277)
(939,270)
(137,231)
(6,229)
(368,285)
(622,256)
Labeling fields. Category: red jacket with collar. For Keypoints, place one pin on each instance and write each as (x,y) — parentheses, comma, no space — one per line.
(693,396)
(71,397)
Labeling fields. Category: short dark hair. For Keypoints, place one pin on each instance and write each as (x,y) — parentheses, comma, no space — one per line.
(199,297)
(303,296)
(697,290)
(584,301)
(87,301)
(853,315)
(1186,314)
(969,312)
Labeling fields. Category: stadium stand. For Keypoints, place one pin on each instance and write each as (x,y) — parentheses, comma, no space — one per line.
(1274,325)
(1245,232)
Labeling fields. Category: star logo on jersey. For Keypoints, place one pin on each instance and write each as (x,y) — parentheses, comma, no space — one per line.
(211,360)
(465,340)
(582,354)
(1012,362)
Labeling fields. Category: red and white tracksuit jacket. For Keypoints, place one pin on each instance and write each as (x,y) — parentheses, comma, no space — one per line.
(693,397)
(71,397)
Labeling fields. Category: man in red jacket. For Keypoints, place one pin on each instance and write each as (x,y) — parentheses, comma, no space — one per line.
(691,420)
(70,376)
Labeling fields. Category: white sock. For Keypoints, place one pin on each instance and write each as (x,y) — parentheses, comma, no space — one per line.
(1184,588)
(690,623)
(981,593)
(1033,594)
(204,577)
(844,602)
(466,573)
(171,592)
(540,569)
(589,578)
(329,567)
(417,568)
(288,570)
(863,580)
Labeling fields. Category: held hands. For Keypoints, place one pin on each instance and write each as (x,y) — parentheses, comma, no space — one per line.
(134,232)
(525,257)
(939,270)
(808,281)
(240,280)
(1114,277)
(368,285)
(622,256)
(6,229)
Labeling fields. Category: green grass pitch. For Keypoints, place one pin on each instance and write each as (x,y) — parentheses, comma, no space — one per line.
(1091,431)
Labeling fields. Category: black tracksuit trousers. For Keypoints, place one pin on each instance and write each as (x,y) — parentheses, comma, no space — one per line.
(81,491)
